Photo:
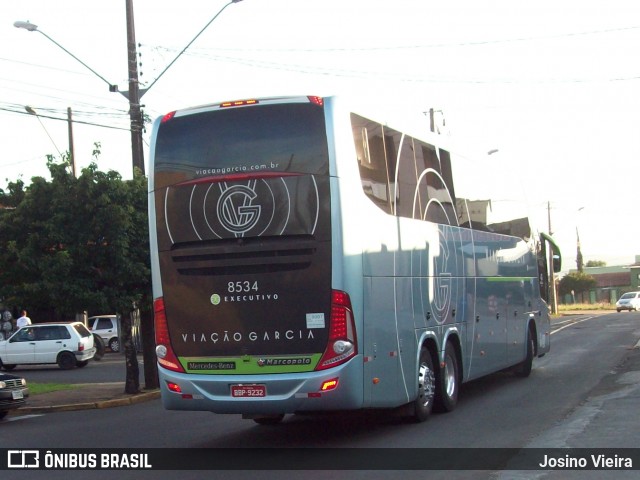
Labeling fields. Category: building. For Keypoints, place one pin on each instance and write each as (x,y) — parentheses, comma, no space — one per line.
(611,282)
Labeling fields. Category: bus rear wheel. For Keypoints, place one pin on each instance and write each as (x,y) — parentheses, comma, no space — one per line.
(448,381)
(423,404)
(524,368)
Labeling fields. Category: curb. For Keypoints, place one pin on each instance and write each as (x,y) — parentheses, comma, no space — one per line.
(119,402)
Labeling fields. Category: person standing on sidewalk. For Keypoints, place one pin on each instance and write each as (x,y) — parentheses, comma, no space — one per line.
(24,320)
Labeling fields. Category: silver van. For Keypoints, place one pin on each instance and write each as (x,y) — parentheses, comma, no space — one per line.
(106,326)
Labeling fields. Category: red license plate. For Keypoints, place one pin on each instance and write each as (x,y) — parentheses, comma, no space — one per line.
(248,391)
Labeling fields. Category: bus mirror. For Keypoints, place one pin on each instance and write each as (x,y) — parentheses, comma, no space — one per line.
(556,256)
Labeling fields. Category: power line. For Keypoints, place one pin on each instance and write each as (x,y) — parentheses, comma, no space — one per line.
(48,89)
(400,76)
(65,119)
(415,46)
(62,111)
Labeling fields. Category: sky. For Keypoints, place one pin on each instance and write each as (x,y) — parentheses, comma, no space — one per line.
(553,86)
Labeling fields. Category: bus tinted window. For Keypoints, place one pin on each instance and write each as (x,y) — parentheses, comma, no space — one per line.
(280,138)
(370,150)
(416,183)
(407,204)
(435,184)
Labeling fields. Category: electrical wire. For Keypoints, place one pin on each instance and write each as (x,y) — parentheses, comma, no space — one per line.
(418,46)
(64,119)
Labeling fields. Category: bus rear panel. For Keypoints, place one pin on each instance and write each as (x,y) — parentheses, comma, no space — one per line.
(245,310)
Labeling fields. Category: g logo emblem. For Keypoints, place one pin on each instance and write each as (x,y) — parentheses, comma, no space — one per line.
(235,210)
(215,299)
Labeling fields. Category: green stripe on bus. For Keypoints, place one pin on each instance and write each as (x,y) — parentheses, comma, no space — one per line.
(508,279)
(250,365)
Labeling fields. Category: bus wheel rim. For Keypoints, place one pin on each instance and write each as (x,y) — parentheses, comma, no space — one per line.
(426,384)
(450,377)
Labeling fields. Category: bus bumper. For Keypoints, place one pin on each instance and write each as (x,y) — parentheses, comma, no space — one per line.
(285,393)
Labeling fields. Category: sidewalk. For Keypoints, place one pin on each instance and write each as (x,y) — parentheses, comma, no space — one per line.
(86,396)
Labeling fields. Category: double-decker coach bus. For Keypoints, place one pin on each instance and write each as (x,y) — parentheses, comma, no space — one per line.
(310,256)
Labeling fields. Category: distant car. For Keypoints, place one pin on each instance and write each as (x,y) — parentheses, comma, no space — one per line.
(67,344)
(107,327)
(13,393)
(628,301)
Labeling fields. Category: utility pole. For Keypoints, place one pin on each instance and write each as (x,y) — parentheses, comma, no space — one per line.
(137,154)
(135,112)
(72,156)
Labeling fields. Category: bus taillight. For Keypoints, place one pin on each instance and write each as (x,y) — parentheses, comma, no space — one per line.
(164,352)
(168,117)
(316,100)
(342,343)
(238,103)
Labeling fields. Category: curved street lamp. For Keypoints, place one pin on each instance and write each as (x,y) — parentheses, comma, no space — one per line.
(144,90)
(30,27)
(135,93)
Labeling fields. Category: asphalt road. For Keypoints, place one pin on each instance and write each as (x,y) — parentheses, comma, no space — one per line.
(110,368)
(545,410)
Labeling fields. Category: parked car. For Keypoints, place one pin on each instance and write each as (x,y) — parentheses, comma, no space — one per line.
(13,393)
(628,301)
(67,344)
(107,327)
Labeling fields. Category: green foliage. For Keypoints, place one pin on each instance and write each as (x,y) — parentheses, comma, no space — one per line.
(596,263)
(13,196)
(75,244)
(577,282)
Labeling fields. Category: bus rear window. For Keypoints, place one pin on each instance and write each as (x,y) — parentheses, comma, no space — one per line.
(261,138)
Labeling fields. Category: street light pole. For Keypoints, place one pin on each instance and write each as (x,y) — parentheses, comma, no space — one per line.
(145,90)
(30,27)
(135,92)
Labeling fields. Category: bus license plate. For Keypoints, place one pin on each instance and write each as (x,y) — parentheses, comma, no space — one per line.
(248,391)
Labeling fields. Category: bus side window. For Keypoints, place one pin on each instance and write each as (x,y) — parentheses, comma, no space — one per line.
(407,204)
(370,149)
(435,197)
(391,144)
(447,175)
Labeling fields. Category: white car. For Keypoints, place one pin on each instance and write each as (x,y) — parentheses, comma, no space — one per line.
(67,344)
(107,327)
(628,301)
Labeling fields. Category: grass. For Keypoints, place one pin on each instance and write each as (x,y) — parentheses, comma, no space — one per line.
(39,388)
(586,306)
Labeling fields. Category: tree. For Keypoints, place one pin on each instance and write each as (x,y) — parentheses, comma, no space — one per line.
(14,195)
(576,283)
(75,244)
(596,263)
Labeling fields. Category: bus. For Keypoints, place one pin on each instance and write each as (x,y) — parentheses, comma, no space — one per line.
(312,255)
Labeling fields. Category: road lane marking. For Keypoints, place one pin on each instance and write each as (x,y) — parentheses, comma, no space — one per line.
(12,418)
(574,323)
